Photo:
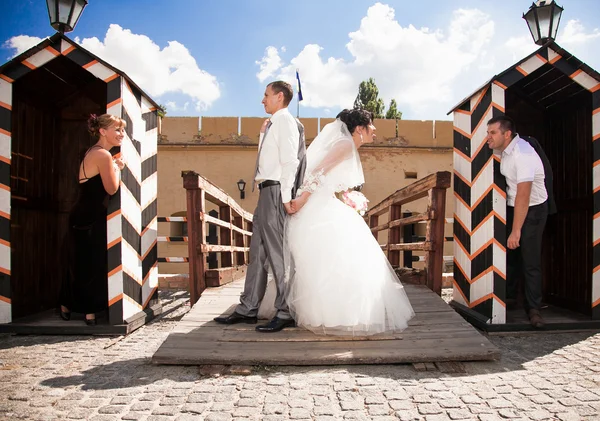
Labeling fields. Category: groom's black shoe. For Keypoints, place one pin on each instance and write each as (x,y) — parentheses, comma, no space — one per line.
(234,318)
(276,324)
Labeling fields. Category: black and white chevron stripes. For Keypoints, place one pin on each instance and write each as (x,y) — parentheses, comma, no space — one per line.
(131,220)
(479,189)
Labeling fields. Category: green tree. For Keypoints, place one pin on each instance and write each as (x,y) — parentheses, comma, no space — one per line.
(392,112)
(368,98)
(162,110)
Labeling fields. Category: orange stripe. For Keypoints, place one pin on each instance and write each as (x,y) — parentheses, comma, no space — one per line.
(541,58)
(596,269)
(597,215)
(481,198)
(500,85)
(499,273)
(462,111)
(115,270)
(483,168)
(5,159)
(112,104)
(498,106)
(461,270)
(52,51)
(522,71)
(499,245)
(68,50)
(481,300)
(150,296)
(5,105)
(115,299)
(491,214)
(7,216)
(7,133)
(4,243)
(502,303)
(482,274)
(5,299)
(4,187)
(149,248)
(481,249)
(478,101)
(496,157)
(114,242)
(595,242)
(461,199)
(595,303)
(456,173)
(90,64)
(113,77)
(597,189)
(462,154)
(575,73)
(138,281)
(112,215)
(499,190)
(5,271)
(6,78)
(594,138)
(456,218)
(153,108)
(597,110)
(465,134)
(28,64)
(482,121)
(461,246)
(595,88)
(555,59)
(457,288)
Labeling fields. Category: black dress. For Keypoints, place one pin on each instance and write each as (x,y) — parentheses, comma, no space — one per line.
(85,285)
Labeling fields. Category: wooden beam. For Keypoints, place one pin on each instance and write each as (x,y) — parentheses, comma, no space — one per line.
(218,248)
(425,216)
(422,246)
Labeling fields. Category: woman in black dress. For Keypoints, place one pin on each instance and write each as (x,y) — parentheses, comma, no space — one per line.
(85,287)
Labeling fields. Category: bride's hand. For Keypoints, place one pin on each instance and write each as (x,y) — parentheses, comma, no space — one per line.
(300,201)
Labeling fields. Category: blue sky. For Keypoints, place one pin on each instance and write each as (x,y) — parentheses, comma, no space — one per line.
(203,57)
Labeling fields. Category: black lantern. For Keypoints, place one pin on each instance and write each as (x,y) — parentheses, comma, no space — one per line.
(64,14)
(543,18)
(242,187)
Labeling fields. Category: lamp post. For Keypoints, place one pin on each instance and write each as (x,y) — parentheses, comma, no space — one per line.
(64,14)
(242,187)
(543,18)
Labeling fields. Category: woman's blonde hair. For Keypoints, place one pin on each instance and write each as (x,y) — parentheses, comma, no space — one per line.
(95,123)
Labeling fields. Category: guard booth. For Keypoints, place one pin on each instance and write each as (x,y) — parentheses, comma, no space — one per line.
(46,96)
(555,98)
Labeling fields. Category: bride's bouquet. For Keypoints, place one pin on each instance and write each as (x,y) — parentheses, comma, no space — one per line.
(356,200)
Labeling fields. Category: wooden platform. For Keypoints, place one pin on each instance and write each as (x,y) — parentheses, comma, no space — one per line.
(437,333)
(49,323)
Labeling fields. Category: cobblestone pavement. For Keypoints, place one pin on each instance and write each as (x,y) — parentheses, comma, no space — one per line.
(540,377)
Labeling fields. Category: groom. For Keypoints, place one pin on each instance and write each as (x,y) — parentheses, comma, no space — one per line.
(280,166)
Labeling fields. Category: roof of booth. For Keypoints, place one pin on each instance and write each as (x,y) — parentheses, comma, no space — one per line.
(547,84)
(55,42)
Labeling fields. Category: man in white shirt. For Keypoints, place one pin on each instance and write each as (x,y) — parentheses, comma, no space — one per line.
(280,166)
(526,212)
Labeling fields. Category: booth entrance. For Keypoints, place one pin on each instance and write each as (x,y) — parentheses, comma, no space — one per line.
(555,98)
(49,134)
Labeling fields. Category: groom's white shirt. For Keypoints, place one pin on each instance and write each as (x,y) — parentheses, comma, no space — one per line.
(279,153)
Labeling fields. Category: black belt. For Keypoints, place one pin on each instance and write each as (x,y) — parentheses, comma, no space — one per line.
(268,183)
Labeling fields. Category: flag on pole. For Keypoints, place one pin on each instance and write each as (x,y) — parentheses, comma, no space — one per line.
(299,86)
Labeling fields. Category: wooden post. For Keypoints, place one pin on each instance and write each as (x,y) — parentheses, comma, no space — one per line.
(373,222)
(435,234)
(407,237)
(394,235)
(225,236)
(238,221)
(195,198)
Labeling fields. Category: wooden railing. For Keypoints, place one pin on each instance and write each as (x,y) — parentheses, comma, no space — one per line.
(235,229)
(434,187)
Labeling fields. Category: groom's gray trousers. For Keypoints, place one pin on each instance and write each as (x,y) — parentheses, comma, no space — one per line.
(266,248)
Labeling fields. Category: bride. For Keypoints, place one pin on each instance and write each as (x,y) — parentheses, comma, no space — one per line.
(341,282)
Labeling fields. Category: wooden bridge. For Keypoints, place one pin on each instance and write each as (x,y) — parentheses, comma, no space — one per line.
(436,334)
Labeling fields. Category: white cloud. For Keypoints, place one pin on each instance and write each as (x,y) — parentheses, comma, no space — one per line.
(426,70)
(157,71)
(269,64)
(21,43)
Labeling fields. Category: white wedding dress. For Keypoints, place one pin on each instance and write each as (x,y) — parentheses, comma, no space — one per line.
(340,281)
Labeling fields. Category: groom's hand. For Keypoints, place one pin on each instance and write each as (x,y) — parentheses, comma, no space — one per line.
(289,208)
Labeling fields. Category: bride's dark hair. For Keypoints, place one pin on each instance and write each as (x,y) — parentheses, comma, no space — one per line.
(355,117)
